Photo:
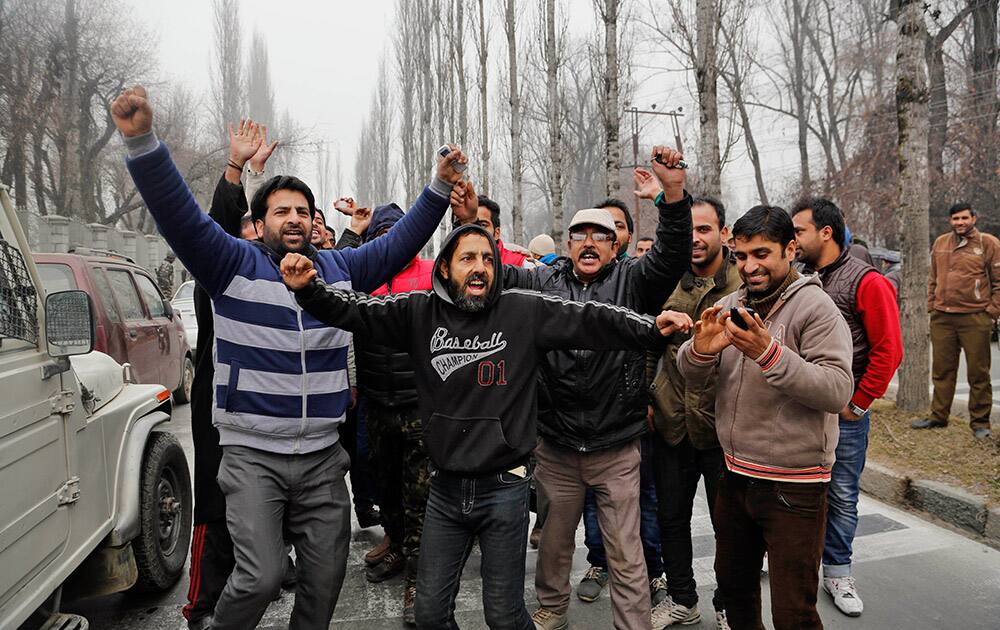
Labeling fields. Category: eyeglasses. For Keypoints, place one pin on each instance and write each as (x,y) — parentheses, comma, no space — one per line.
(599,237)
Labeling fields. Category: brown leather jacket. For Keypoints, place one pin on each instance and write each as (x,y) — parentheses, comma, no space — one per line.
(965,274)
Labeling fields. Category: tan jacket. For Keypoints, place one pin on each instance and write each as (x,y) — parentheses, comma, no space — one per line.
(965,274)
(780,421)
(681,408)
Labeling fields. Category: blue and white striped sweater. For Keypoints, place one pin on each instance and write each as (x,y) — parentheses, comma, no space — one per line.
(280,375)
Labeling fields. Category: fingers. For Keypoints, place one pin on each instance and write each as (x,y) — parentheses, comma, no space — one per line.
(709,314)
(140,91)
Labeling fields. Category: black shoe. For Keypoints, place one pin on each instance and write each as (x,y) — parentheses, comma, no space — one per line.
(391,565)
(410,603)
(928,423)
(369,517)
(982,433)
(290,580)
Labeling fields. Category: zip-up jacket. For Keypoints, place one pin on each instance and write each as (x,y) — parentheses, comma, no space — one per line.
(776,417)
(477,373)
(596,400)
(281,381)
(965,274)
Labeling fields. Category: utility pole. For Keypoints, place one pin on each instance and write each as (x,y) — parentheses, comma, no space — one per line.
(633,113)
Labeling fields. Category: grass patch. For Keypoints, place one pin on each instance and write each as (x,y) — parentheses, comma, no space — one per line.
(950,455)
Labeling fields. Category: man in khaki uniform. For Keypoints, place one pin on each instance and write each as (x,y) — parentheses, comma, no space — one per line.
(963,298)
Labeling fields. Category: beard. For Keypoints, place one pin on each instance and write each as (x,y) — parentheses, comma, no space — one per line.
(711,253)
(464,301)
(277,243)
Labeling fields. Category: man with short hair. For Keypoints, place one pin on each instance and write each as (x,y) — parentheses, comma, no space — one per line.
(685,446)
(642,246)
(488,218)
(963,298)
(320,236)
(868,303)
(593,405)
(476,349)
(165,275)
(281,386)
(783,373)
(624,225)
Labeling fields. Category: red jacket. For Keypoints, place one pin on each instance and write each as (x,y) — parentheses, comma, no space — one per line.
(416,276)
(508,257)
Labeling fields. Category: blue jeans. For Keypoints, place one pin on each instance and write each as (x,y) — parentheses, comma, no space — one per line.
(842,497)
(494,509)
(649,529)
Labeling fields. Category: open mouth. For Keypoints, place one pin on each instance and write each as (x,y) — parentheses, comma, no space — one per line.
(589,256)
(476,286)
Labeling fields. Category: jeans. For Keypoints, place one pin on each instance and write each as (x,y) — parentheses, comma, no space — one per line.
(787,521)
(649,528)
(842,499)
(678,470)
(494,509)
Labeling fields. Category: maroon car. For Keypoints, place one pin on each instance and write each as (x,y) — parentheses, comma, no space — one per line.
(135,324)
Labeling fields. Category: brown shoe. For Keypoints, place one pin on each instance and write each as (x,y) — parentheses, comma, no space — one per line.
(409,604)
(392,564)
(535,537)
(378,552)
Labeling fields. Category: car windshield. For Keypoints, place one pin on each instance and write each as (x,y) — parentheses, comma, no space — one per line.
(56,277)
(186,292)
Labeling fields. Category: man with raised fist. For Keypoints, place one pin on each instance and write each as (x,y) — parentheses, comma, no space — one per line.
(281,386)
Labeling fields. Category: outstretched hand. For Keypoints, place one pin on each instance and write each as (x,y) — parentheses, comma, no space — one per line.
(360,220)
(244,141)
(297,271)
(264,151)
(131,112)
(710,336)
(669,322)
(646,186)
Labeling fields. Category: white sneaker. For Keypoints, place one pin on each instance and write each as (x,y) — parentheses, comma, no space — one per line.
(720,620)
(845,595)
(669,613)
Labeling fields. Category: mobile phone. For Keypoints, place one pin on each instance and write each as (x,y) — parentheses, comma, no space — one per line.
(680,163)
(734,314)
(444,151)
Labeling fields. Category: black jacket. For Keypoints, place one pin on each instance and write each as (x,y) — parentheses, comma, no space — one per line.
(477,373)
(595,400)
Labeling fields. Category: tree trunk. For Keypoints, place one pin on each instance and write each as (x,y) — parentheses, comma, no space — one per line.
(458,46)
(69,159)
(912,119)
(706,76)
(516,166)
(983,95)
(612,108)
(484,119)
(799,94)
(555,122)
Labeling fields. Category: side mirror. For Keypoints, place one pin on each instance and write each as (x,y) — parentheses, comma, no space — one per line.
(69,323)
(168,308)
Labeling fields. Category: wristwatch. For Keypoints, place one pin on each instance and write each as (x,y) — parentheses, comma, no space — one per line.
(858,411)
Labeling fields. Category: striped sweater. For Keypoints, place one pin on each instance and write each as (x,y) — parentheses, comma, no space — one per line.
(280,375)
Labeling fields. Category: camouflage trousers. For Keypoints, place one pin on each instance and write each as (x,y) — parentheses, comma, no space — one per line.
(399,462)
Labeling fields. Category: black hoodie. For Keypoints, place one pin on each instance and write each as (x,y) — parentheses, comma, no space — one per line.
(477,373)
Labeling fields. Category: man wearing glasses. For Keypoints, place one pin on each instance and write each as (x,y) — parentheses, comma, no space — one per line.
(592,405)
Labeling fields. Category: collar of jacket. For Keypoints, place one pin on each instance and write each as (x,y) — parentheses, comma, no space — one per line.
(832,266)
(792,289)
(958,241)
(570,271)
(310,252)
(728,258)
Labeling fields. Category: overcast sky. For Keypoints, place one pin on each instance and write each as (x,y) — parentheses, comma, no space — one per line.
(324,61)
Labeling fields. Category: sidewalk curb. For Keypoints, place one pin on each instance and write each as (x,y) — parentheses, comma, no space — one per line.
(953,505)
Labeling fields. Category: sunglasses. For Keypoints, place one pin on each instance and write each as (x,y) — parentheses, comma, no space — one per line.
(599,237)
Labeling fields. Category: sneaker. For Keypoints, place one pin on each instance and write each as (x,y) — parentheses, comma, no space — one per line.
(928,423)
(369,517)
(546,619)
(669,613)
(409,604)
(378,552)
(593,582)
(535,537)
(845,595)
(982,434)
(721,623)
(657,590)
(391,565)
(763,565)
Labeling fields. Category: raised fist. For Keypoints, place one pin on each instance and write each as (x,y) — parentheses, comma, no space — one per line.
(297,271)
(131,112)
(664,162)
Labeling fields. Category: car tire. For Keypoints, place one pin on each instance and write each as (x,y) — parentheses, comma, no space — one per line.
(165,512)
(183,392)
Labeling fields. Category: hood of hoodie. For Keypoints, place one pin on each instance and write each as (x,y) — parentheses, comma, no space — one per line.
(383,217)
(440,283)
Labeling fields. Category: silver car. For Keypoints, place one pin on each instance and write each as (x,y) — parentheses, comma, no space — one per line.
(183,303)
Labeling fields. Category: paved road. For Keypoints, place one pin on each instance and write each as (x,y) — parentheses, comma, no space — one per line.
(913,574)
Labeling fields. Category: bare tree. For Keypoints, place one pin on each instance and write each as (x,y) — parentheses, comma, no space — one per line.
(553,61)
(227,80)
(608,14)
(514,99)
(260,91)
(912,119)
(458,63)
(482,81)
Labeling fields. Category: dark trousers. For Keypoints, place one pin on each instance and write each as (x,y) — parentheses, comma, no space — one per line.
(952,334)
(788,521)
(649,528)
(354,438)
(677,470)
(494,510)
(211,563)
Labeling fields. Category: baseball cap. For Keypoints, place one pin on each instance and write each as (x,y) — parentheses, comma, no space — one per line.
(593,216)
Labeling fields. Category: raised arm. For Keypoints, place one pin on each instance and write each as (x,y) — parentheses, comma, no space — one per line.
(229,203)
(657,273)
(211,255)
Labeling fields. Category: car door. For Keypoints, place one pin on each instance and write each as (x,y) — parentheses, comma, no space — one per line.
(142,343)
(170,346)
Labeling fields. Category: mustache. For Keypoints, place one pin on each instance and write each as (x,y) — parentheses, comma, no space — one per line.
(589,250)
(476,275)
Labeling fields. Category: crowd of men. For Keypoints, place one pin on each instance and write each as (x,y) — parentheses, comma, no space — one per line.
(463,392)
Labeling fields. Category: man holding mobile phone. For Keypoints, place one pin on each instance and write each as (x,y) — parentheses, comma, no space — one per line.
(782,382)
